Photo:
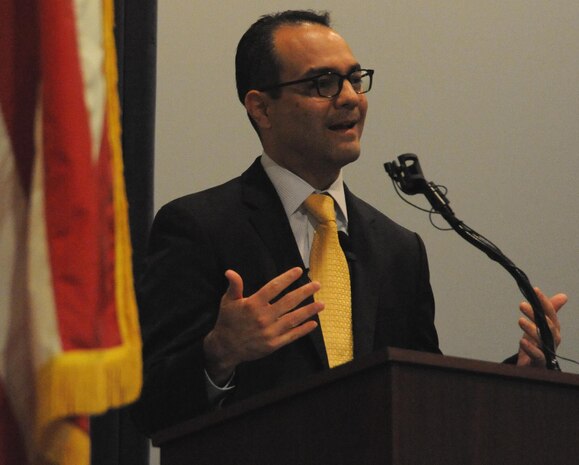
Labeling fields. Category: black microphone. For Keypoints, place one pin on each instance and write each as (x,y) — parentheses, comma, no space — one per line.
(409,178)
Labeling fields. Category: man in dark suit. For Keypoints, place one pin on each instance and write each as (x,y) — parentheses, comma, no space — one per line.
(227,309)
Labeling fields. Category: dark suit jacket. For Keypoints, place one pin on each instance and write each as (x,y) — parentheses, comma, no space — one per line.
(242,225)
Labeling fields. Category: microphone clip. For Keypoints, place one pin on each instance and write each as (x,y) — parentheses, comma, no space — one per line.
(409,178)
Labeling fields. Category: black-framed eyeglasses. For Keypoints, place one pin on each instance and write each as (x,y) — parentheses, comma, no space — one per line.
(330,83)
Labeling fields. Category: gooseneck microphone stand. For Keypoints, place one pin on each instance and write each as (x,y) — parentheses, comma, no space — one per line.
(409,178)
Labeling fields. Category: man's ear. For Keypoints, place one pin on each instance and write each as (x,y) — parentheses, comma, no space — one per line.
(257,106)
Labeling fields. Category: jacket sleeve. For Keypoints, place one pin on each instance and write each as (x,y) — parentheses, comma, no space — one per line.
(178,298)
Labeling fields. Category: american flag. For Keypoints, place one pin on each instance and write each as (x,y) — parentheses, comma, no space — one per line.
(69,335)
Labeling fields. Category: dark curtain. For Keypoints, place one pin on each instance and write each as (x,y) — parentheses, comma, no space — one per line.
(115,439)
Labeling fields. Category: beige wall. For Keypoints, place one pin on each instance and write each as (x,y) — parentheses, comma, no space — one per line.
(486,92)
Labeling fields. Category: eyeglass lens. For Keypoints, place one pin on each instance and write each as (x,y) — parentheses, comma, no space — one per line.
(331,84)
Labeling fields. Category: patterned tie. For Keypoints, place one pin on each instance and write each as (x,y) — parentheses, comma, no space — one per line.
(328,266)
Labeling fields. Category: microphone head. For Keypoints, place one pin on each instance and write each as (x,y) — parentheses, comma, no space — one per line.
(408,175)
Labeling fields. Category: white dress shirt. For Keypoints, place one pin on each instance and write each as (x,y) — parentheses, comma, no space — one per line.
(292,191)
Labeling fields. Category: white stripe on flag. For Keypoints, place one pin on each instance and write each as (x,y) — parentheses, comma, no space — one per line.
(15,368)
(44,330)
(89,32)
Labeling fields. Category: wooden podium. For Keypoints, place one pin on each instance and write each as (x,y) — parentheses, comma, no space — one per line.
(395,408)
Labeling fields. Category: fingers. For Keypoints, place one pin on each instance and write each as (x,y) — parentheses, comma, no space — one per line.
(268,292)
(530,352)
(291,324)
(558,300)
(294,325)
(534,355)
(277,285)
(292,320)
(252,327)
(550,307)
(530,329)
(292,299)
(296,333)
(532,333)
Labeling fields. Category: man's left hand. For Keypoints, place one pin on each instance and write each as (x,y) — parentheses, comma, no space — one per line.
(530,353)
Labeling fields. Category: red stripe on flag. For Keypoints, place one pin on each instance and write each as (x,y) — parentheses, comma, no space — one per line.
(106,323)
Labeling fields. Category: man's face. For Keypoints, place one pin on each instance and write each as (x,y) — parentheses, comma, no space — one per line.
(310,135)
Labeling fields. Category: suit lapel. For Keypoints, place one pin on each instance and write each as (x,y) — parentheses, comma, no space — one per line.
(269,220)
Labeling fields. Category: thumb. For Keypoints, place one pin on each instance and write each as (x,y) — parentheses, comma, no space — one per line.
(235,288)
(558,301)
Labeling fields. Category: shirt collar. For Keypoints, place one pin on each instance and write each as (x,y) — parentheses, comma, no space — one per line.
(293,190)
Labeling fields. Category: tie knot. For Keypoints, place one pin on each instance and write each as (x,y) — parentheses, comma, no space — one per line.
(321,206)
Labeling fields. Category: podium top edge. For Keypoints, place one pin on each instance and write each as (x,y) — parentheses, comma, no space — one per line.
(390,358)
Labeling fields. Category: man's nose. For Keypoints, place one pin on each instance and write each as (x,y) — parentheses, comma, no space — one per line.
(347,96)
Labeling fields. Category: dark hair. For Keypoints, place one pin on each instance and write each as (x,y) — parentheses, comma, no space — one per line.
(256,64)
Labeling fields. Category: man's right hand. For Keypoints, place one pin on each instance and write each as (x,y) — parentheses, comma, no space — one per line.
(249,328)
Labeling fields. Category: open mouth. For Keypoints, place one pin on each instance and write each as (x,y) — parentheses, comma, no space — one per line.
(343,126)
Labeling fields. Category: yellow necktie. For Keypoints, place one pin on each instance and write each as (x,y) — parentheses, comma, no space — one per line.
(328,266)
